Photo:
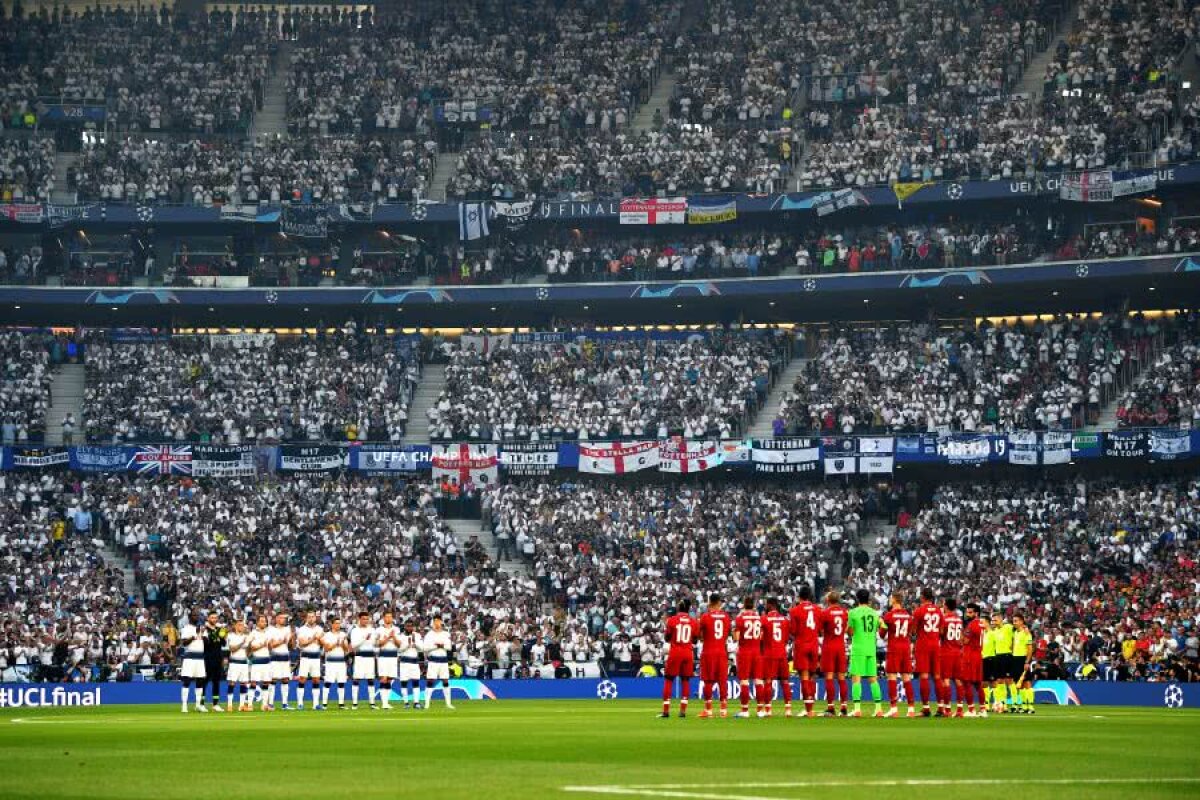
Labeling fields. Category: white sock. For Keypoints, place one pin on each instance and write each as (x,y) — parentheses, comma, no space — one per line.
(341,694)
(198,693)
(404,693)
(325,694)
(183,695)
(446,692)
(354,692)
(300,694)
(270,699)
(372,693)
(285,690)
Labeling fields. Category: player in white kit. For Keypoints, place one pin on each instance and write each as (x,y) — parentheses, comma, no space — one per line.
(437,661)
(336,646)
(308,639)
(387,659)
(259,645)
(191,670)
(237,676)
(362,642)
(410,664)
(281,659)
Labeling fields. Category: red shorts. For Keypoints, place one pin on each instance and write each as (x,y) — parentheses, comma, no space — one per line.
(970,668)
(714,667)
(807,657)
(680,665)
(833,659)
(773,668)
(898,661)
(747,663)
(948,663)
(926,661)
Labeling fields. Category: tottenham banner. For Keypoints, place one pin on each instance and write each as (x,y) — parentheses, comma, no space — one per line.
(312,458)
(706,210)
(1056,447)
(530,458)
(99,459)
(617,458)
(781,456)
(654,211)
(1125,444)
(478,463)
(1023,448)
(1168,445)
(161,460)
(212,461)
(388,459)
(34,458)
(683,457)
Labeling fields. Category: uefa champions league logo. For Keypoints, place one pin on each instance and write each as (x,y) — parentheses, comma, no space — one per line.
(1173,696)
(606,690)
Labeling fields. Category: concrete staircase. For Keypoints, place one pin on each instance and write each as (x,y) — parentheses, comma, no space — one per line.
(66,391)
(433,381)
(464,529)
(114,559)
(442,173)
(660,99)
(761,428)
(63,162)
(272,120)
(1031,82)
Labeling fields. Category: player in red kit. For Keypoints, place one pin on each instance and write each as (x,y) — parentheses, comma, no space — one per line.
(948,659)
(805,619)
(927,623)
(748,630)
(970,666)
(833,652)
(714,655)
(774,664)
(682,633)
(898,624)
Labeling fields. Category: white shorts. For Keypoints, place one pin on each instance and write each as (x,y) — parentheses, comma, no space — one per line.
(410,671)
(260,673)
(364,668)
(387,666)
(281,670)
(437,672)
(335,671)
(238,673)
(310,667)
(192,668)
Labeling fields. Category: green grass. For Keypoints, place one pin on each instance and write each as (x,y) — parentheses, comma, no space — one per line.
(524,749)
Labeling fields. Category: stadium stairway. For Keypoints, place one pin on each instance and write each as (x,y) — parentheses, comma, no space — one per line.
(464,529)
(761,428)
(272,119)
(115,559)
(1031,82)
(442,173)
(63,161)
(433,381)
(66,392)
(660,98)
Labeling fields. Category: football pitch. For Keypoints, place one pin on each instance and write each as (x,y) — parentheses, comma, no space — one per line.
(588,749)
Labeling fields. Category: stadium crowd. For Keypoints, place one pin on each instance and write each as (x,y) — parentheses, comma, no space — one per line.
(26,170)
(926,378)
(257,389)
(707,386)
(25,385)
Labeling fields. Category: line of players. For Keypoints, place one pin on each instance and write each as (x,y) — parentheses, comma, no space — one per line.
(959,660)
(377,658)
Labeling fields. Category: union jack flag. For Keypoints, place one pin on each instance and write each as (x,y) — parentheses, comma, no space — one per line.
(162,460)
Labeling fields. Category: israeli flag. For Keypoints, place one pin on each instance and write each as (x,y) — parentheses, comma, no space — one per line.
(472,221)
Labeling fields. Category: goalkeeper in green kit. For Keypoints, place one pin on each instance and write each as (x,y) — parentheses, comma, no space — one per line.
(864,628)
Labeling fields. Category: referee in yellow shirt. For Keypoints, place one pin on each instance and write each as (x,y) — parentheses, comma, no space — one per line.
(1022,665)
(1002,639)
(991,672)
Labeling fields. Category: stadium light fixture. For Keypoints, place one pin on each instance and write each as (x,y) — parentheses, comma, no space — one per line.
(18,308)
(1186,85)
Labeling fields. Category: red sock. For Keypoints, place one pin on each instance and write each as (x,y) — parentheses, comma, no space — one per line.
(763,694)
(830,692)
(787,692)
(746,697)
(910,689)
(892,691)
(979,694)
(667,697)
(925,690)
(809,687)
(844,691)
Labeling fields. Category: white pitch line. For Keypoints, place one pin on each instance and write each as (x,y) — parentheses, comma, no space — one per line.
(688,790)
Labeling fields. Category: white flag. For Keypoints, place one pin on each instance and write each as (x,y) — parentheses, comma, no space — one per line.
(472,221)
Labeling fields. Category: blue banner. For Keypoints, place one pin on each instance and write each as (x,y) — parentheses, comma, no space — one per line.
(100,459)
(1065,693)
(382,459)
(73,112)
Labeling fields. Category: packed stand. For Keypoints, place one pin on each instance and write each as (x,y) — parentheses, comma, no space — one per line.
(528,66)
(921,378)
(1121,241)
(153,70)
(26,170)
(318,170)
(674,159)
(1107,570)
(587,389)
(26,361)
(333,387)
(615,557)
